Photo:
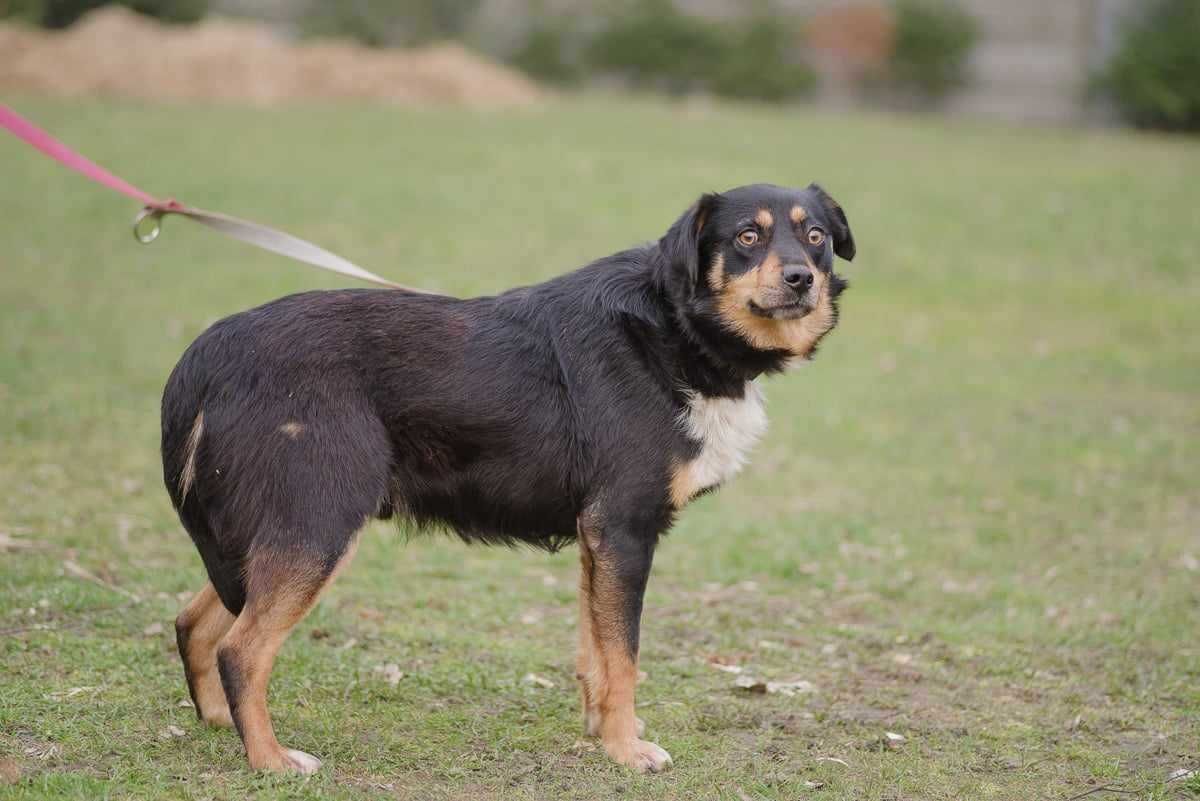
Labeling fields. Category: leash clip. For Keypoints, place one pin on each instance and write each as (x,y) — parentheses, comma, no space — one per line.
(147,232)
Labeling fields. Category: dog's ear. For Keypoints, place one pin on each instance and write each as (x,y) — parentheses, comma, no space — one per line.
(681,244)
(843,240)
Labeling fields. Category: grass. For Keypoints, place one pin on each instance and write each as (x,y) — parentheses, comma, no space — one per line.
(976,522)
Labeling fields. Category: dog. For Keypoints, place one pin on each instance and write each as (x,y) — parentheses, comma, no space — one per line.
(590,408)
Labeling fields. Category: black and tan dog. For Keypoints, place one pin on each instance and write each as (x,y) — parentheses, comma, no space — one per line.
(592,407)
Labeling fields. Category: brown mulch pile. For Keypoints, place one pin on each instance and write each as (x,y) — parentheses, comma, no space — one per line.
(116,52)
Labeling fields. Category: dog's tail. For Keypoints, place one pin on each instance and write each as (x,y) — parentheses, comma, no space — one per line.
(182,428)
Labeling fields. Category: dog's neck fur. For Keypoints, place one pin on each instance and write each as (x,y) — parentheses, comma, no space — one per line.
(711,360)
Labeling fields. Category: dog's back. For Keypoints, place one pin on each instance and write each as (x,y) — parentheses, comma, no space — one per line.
(286,426)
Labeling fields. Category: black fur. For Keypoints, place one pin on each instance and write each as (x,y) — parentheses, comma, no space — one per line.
(502,418)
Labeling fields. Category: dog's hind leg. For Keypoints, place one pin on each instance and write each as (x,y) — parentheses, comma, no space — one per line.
(281,587)
(198,630)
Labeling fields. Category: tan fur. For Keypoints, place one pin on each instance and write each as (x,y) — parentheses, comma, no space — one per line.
(797,337)
(292,429)
(764,218)
(716,273)
(683,484)
(206,621)
(187,476)
(798,214)
(280,592)
(590,679)
(607,671)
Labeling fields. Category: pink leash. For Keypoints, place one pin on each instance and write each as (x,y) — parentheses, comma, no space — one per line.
(148,223)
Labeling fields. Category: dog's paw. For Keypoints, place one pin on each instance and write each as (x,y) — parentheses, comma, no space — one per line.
(301,762)
(640,755)
(288,760)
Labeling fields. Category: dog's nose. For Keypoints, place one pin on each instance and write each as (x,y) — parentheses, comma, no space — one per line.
(798,277)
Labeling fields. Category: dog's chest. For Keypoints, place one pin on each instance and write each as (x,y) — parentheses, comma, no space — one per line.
(727,429)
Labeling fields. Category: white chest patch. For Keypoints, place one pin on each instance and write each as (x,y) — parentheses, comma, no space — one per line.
(727,429)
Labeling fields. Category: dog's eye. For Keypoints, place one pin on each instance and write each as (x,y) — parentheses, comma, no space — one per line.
(816,237)
(749,238)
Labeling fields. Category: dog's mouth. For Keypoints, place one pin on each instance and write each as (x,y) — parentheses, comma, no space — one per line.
(791,310)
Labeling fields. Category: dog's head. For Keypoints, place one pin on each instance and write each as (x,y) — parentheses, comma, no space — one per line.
(757,262)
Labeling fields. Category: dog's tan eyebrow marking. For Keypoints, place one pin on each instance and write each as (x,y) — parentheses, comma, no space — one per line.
(799,215)
(764,218)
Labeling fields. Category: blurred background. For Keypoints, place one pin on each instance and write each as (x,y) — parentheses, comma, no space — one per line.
(963,564)
(1067,61)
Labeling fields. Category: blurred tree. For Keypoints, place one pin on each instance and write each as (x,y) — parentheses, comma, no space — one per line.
(61,13)
(27,10)
(653,44)
(1154,77)
(550,53)
(932,46)
(758,62)
(389,22)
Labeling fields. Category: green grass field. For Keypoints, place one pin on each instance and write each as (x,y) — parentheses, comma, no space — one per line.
(975,522)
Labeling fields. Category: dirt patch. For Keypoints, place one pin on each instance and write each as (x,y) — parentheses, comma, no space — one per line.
(116,52)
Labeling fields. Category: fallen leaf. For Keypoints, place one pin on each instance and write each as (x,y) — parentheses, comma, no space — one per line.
(186,704)
(63,695)
(175,731)
(1189,562)
(750,684)
(10,771)
(892,739)
(902,658)
(540,681)
(78,571)
(735,669)
(391,673)
(10,543)
(370,613)
(814,785)
(532,617)
(841,762)
(582,746)
(153,630)
(43,751)
(1182,773)
(790,687)
(348,644)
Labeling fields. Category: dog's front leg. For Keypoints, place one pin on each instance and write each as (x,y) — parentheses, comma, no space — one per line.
(615,564)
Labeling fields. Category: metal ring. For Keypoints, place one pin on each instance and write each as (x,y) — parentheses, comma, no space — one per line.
(144,234)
